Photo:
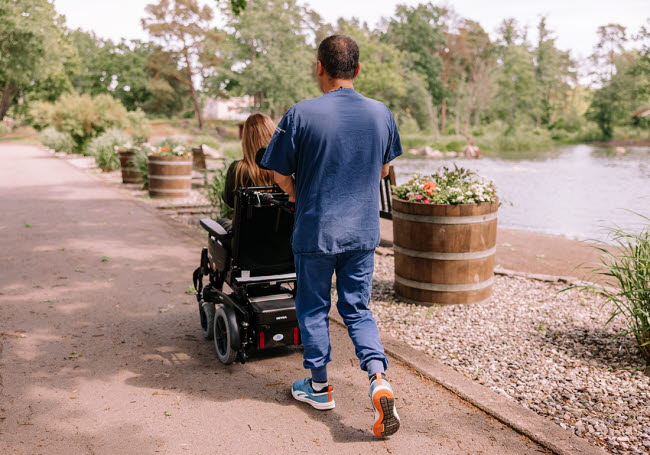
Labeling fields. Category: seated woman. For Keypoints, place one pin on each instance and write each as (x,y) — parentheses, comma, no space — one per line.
(257,133)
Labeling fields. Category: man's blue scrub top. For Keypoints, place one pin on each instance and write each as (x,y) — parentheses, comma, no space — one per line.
(335,145)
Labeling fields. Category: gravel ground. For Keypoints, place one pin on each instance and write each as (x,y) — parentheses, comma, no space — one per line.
(550,352)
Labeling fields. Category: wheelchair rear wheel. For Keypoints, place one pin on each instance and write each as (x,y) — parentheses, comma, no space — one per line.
(225,332)
(206,313)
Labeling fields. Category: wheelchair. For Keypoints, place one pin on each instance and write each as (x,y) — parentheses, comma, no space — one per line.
(255,261)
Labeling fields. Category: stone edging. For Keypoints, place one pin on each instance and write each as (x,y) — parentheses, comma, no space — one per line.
(524,421)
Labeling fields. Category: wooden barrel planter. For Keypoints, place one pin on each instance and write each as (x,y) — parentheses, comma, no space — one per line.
(129,173)
(444,254)
(170,176)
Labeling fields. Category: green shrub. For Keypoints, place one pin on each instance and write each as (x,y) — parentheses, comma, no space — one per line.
(140,161)
(625,269)
(590,133)
(84,117)
(214,189)
(138,125)
(4,129)
(56,140)
(455,146)
(411,141)
(39,115)
(570,123)
(104,148)
(520,141)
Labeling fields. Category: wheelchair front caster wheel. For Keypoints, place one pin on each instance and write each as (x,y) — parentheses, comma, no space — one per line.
(206,313)
(224,332)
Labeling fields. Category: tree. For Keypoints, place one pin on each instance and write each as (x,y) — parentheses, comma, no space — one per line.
(555,75)
(469,67)
(33,49)
(185,31)
(140,74)
(515,80)
(418,30)
(267,55)
(611,42)
(614,103)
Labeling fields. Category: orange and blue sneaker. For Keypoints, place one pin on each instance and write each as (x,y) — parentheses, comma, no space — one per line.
(383,405)
(304,391)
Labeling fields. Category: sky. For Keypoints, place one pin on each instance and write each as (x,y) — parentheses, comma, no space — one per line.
(573,21)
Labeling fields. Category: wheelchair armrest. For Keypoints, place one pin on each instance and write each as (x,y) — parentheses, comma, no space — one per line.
(213,227)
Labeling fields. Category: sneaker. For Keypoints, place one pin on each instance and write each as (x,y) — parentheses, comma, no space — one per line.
(303,391)
(383,404)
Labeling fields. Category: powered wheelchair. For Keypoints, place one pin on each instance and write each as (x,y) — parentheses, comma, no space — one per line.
(255,261)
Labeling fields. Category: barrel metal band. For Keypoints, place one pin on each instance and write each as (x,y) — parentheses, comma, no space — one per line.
(171,163)
(445,219)
(170,177)
(445,256)
(444,287)
(185,190)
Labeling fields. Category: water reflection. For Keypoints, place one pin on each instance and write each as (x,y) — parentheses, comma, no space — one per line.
(572,191)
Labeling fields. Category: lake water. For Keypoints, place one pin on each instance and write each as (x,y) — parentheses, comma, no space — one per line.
(572,191)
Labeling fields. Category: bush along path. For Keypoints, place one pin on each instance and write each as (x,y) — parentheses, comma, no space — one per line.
(101,350)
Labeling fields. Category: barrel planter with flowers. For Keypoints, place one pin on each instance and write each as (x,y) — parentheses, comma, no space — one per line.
(444,238)
(130,174)
(170,172)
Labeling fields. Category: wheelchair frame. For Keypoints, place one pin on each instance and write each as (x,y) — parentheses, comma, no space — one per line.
(260,312)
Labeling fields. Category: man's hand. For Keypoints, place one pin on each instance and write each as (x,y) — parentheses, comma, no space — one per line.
(286,183)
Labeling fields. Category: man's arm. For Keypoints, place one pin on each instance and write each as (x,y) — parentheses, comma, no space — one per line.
(286,183)
(385,169)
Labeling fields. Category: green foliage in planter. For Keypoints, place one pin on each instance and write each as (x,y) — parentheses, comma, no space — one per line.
(214,189)
(56,140)
(170,147)
(625,269)
(140,161)
(447,186)
(104,148)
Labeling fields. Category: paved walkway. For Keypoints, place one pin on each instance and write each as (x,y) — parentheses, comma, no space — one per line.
(100,349)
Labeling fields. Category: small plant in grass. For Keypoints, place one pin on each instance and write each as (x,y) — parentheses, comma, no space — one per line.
(447,186)
(625,269)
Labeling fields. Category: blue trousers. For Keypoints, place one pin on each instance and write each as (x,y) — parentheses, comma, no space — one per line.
(354,271)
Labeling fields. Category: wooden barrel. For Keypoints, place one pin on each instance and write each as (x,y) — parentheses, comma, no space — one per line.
(170,176)
(444,254)
(130,174)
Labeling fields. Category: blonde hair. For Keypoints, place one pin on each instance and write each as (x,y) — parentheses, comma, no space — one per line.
(258,131)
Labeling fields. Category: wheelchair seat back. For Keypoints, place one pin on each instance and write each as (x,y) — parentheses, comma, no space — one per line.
(261,244)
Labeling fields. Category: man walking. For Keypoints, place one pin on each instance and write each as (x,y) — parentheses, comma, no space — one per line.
(338,146)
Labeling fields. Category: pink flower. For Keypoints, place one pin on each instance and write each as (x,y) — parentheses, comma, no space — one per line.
(419,196)
(426,201)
